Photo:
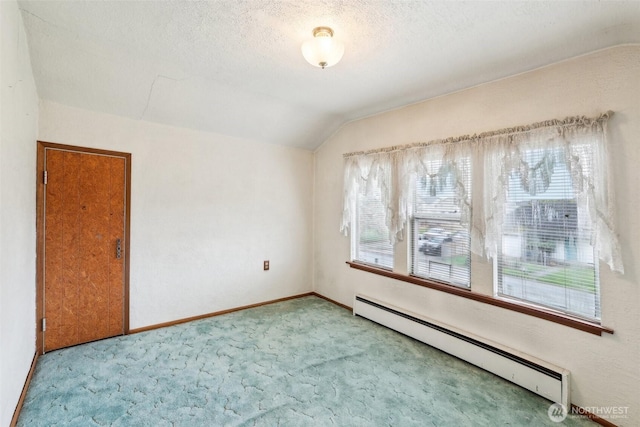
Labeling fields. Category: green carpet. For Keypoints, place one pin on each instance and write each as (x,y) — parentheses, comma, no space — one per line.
(304,362)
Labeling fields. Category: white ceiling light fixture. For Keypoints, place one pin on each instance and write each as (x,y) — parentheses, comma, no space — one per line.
(322,50)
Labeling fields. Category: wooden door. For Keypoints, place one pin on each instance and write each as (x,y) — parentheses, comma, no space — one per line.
(84,210)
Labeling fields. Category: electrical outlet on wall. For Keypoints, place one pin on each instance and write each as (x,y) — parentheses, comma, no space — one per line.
(266,265)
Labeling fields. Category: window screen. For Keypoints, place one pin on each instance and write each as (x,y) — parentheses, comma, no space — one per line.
(371,242)
(440,239)
(546,256)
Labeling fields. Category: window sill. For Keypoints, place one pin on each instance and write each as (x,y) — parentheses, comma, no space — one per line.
(552,316)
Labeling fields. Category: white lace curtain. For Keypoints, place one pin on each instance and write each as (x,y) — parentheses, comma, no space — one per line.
(577,142)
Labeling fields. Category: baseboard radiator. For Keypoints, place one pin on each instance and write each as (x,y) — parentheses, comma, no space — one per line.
(540,377)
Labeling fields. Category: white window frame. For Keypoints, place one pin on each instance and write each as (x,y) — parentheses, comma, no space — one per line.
(540,298)
(355,240)
(443,271)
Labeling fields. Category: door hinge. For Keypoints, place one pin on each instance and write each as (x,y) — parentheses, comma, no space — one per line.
(46,177)
(44,324)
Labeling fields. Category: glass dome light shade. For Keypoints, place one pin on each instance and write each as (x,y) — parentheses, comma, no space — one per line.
(322,50)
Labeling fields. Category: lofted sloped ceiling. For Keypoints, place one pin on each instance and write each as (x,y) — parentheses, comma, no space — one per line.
(234,66)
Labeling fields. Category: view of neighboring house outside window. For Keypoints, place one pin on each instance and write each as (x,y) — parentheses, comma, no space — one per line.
(546,256)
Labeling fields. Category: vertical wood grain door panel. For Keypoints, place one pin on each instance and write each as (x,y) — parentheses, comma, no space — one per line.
(85,202)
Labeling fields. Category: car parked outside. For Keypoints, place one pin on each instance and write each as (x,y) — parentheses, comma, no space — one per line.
(431,241)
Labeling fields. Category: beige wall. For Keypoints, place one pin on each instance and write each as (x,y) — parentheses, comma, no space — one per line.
(18,127)
(605,369)
(206,211)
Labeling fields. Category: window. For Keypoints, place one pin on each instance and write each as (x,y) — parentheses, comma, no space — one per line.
(542,212)
(440,236)
(371,241)
(546,256)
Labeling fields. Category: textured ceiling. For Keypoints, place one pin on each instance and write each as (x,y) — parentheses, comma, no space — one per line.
(235,67)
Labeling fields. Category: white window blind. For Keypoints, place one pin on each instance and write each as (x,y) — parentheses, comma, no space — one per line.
(440,244)
(371,243)
(546,256)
